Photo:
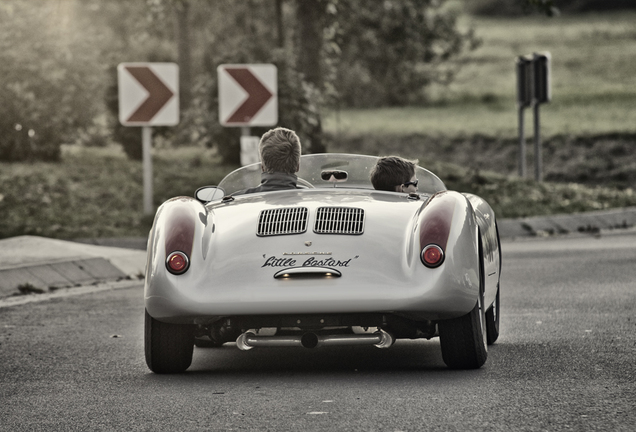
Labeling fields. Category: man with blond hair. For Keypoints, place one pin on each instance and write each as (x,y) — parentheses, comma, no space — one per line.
(394,174)
(280,151)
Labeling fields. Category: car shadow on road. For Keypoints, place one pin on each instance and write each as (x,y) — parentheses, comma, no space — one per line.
(403,356)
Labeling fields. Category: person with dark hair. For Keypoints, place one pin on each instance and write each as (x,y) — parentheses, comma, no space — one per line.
(394,174)
(280,151)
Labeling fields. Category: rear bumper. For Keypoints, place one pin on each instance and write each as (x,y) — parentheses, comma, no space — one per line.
(439,297)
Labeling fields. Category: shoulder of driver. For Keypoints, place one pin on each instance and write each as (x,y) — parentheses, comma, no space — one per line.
(272,182)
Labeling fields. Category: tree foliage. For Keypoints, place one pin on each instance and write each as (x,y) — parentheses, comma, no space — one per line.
(50,73)
(58,62)
(392,50)
(549,8)
(241,33)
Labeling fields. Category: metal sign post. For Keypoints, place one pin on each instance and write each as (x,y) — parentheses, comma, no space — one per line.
(148,96)
(146,149)
(533,88)
(524,100)
(249,147)
(542,94)
(522,144)
(538,160)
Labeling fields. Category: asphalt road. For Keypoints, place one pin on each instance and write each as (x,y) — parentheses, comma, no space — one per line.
(565,360)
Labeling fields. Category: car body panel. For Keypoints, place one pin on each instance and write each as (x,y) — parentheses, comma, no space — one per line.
(232,269)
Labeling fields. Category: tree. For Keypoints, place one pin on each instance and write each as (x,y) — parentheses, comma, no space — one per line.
(253,31)
(133,32)
(50,75)
(369,53)
(392,50)
(546,7)
(58,60)
(310,20)
(182,16)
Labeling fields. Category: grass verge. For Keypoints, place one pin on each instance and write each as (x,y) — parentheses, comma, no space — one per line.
(593,84)
(96,192)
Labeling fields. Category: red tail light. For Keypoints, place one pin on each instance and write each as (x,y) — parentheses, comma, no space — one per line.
(177,262)
(432,256)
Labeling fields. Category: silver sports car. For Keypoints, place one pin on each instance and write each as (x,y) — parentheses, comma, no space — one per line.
(333,262)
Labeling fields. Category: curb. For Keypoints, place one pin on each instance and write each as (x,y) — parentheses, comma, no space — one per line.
(41,278)
(589,222)
(39,265)
(7,302)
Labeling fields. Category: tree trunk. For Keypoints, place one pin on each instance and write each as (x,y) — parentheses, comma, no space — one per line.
(182,10)
(279,23)
(309,19)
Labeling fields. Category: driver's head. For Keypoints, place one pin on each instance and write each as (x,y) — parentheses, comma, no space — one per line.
(391,172)
(280,151)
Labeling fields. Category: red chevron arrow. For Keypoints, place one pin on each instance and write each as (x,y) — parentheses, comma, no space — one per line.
(258,95)
(158,94)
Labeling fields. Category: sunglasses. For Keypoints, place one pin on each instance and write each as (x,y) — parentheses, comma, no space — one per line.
(336,174)
(409,183)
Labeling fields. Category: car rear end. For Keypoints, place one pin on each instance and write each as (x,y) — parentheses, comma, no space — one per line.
(314,252)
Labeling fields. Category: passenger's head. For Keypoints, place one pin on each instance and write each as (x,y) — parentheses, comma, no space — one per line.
(394,174)
(280,151)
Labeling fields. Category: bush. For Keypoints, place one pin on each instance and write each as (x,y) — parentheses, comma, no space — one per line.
(296,110)
(392,51)
(48,82)
(517,8)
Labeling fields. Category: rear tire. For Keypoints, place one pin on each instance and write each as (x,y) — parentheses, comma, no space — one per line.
(463,340)
(168,346)
(492,321)
(493,314)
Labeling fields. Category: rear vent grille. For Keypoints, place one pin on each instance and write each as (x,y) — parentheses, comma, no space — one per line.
(292,220)
(339,220)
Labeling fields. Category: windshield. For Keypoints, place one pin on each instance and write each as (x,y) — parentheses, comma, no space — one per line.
(358,168)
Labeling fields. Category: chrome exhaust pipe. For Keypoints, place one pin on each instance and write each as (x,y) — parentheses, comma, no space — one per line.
(249,340)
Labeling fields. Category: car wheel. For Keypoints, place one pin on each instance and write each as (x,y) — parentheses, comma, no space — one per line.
(492,321)
(463,340)
(168,346)
(493,313)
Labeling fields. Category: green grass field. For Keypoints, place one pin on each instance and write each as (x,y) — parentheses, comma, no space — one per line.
(593,82)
